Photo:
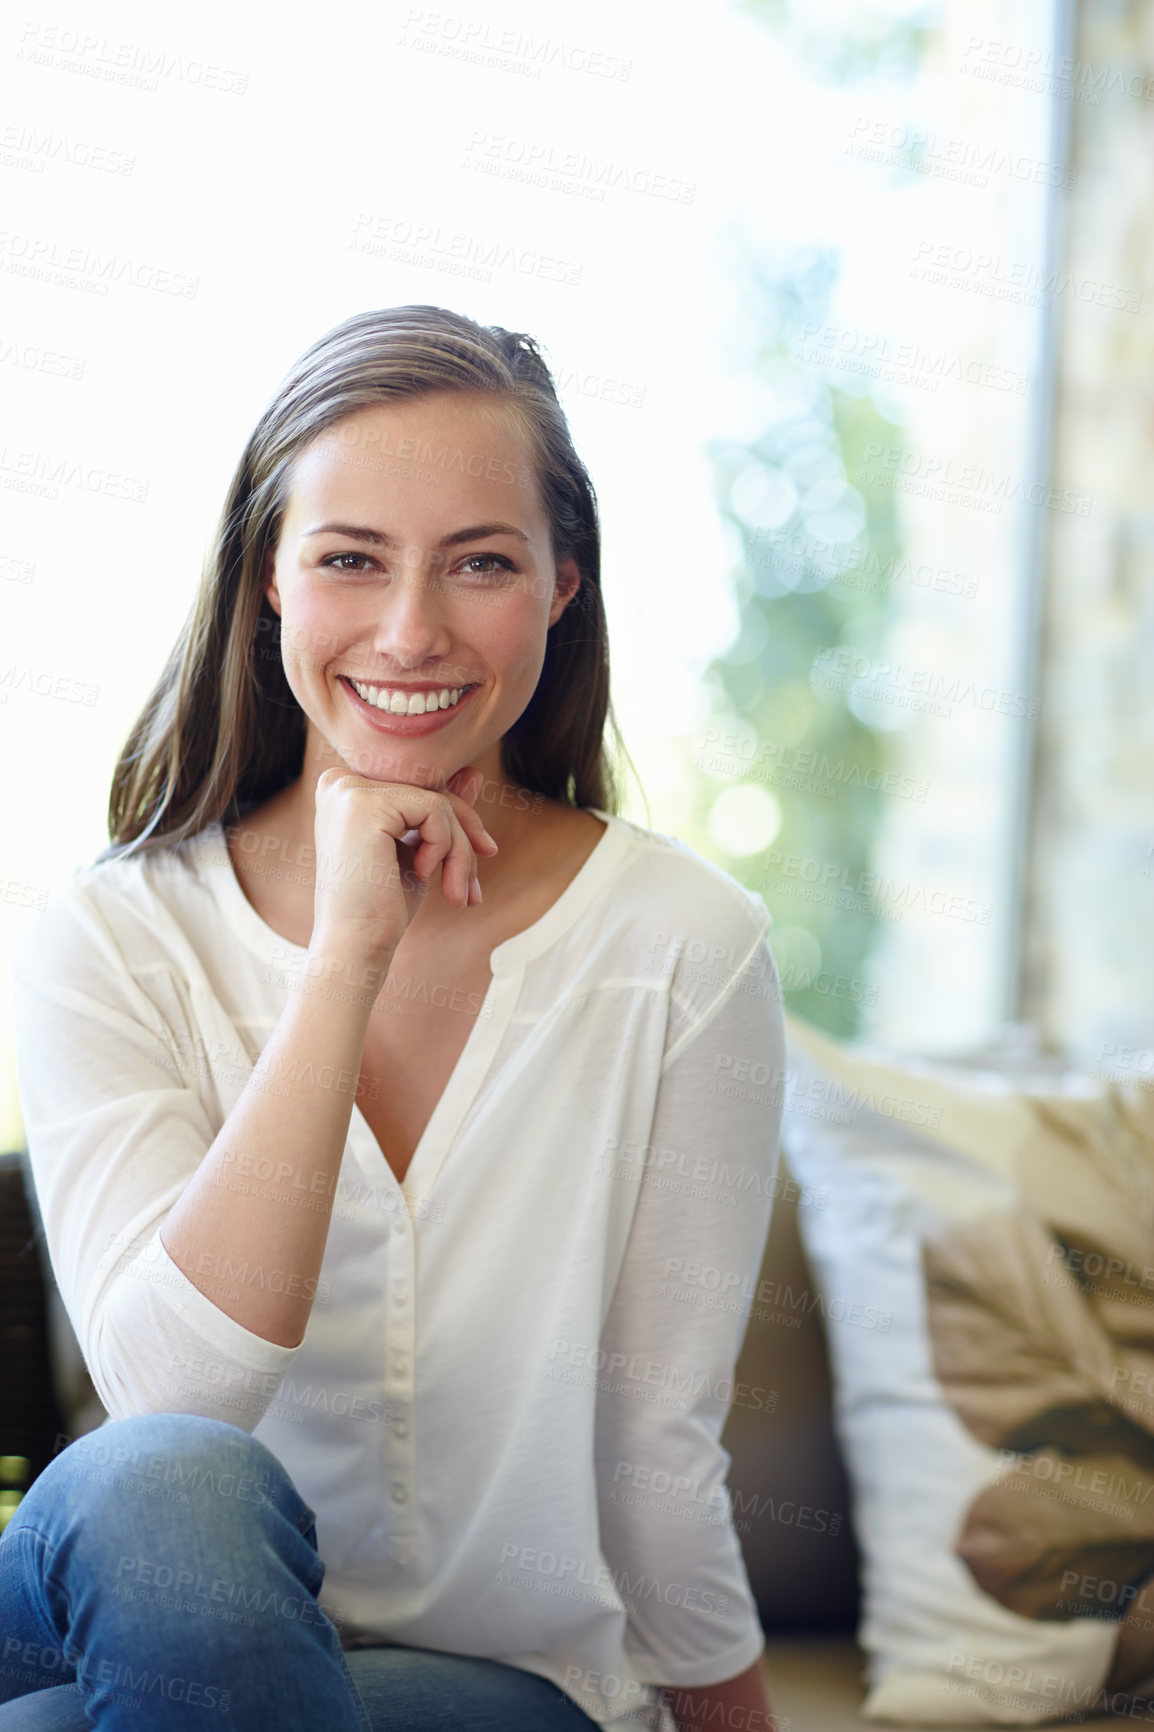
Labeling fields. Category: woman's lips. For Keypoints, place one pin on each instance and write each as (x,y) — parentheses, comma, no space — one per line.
(407,726)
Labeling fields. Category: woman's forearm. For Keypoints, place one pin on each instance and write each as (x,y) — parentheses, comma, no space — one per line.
(740,1702)
(261,1199)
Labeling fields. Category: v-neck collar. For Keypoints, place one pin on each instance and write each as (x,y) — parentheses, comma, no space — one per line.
(506,962)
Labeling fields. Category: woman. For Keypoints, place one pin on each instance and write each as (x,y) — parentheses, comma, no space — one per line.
(361,1186)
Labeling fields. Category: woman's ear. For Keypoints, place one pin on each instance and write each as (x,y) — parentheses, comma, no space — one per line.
(268,582)
(567,585)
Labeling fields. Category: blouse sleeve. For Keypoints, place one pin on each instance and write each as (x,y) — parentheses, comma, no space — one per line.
(113,1136)
(673,1333)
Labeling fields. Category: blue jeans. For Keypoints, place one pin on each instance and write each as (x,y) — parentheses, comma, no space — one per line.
(115,1612)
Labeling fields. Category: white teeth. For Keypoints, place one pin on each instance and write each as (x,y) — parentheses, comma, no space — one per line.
(399,703)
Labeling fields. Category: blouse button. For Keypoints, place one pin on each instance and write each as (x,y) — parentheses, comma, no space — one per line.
(399,1492)
(401,1427)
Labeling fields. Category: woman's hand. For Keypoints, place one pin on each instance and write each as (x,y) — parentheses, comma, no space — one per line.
(369,881)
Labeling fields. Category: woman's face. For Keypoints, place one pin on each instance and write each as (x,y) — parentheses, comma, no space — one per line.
(414,565)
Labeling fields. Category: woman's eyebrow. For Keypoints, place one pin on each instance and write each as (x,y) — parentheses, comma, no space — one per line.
(361,533)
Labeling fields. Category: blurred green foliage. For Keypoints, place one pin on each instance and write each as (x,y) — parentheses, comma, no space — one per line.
(788,786)
(843,40)
(819,547)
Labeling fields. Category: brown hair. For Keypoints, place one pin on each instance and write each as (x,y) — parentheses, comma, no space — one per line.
(217,737)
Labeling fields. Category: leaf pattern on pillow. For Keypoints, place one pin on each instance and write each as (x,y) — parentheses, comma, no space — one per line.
(1041,1326)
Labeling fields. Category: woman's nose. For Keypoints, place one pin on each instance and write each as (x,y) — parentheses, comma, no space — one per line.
(411,621)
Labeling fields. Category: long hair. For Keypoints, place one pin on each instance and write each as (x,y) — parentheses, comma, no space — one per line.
(221,731)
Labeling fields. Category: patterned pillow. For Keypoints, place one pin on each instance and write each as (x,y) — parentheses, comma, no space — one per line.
(1000,1435)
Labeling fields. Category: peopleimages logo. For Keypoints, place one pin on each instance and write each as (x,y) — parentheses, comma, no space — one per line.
(967,484)
(523,1566)
(852,564)
(961,159)
(1029,1685)
(118,1673)
(833,883)
(899,360)
(798,767)
(137,64)
(832,665)
(681,1382)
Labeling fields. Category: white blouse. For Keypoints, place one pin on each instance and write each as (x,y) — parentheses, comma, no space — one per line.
(504,1412)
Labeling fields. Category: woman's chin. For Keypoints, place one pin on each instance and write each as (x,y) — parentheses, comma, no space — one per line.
(407,764)
(419,763)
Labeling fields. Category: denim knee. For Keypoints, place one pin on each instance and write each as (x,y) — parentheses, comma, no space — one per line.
(171,1543)
(162,1472)
(146,1443)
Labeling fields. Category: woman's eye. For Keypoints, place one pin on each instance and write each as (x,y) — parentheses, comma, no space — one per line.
(491,559)
(334,561)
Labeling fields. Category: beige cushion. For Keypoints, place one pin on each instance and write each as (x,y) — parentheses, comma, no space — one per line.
(815,1685)
(987,1184)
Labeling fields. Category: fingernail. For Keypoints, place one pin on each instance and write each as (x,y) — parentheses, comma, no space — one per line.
(477,887)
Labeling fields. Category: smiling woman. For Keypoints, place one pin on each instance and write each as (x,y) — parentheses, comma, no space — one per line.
(478,413)
(355,1188)
(439,630)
